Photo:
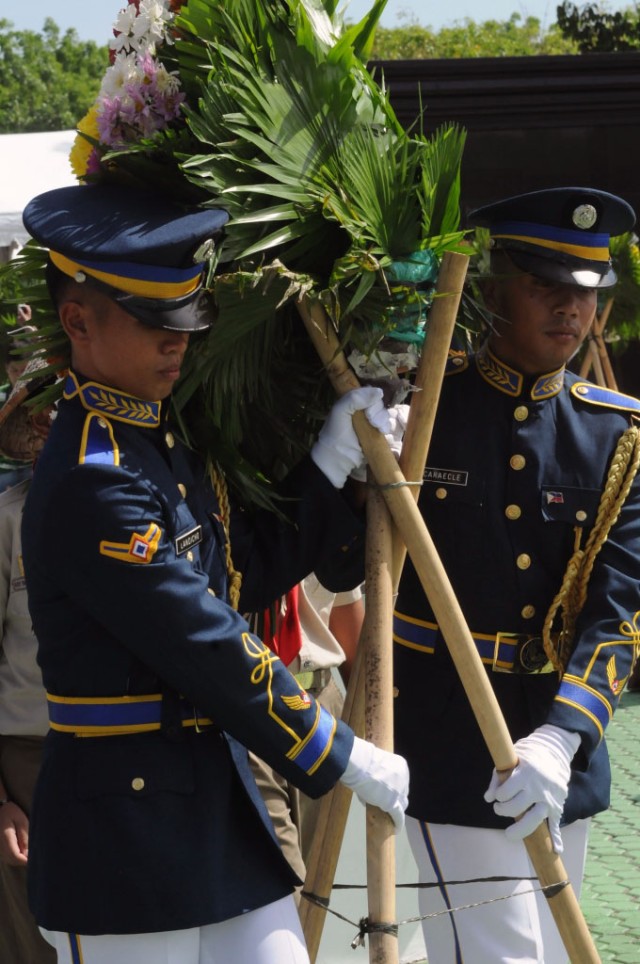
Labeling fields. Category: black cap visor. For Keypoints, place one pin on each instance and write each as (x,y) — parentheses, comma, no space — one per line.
(562,269)
(195,312)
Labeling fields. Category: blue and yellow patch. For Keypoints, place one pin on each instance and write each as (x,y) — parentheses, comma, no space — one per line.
(141,548)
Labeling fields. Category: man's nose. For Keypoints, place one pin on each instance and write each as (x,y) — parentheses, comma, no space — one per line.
(175,339)
(567,301)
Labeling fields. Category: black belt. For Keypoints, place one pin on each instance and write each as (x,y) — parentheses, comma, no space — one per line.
(504,652)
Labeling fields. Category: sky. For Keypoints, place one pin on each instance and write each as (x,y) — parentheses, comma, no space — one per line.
(93,19)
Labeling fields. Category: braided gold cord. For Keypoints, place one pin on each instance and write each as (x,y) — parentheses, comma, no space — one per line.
(573,591)
(222,494)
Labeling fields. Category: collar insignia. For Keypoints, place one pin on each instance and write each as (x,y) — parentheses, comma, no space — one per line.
(511,382)
(498,374)
(113,404)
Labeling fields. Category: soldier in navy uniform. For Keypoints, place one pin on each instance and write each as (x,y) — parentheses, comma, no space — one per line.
(546,567)
(149,840)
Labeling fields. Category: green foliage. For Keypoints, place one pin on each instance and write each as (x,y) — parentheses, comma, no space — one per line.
(514,37)
(594,28)
(624,320)
(47,81)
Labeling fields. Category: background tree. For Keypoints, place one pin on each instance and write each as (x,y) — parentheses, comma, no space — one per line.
(514,37)
(47,80)
(595,29)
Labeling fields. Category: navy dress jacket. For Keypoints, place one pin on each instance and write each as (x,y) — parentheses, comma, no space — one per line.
(146,816)
(515,473)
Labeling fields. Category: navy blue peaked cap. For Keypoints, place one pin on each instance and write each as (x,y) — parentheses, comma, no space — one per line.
(560,233)
(145,252)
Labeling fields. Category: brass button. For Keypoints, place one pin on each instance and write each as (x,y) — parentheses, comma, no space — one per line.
(169,439)
(513,512)
(521,413)
(396,692)
(102,423)
(523,561)
(528,612)
(137,783)
(441,493)
(182,489)
(582,390)
(189,556)
(581,515)
(210,591)
(517,462)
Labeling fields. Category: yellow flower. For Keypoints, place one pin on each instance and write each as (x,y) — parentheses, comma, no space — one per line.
(82,149)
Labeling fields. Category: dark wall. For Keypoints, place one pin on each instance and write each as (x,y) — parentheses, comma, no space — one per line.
(531,122)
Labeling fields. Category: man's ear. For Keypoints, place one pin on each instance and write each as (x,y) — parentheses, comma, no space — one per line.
(73,316)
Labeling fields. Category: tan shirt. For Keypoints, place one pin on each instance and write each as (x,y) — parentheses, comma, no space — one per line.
(320,649)
(23,707)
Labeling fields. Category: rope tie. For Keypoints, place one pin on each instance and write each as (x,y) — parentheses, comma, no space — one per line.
(222,494)
(573,592)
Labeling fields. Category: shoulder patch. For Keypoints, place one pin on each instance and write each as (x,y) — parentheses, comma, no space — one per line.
(98,445)
(456,362)
(605,397)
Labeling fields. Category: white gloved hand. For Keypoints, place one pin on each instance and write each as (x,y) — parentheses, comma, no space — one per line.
(538,785)
(378,778)
(337,451)
(398,416)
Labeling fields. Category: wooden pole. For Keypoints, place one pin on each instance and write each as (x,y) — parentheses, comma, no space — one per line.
(597,356)
(382,582)
(381,842)
(334,809)
(333,812)
(562,902)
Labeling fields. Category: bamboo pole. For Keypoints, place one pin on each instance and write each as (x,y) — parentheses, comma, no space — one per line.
(382,582)
(334,808)
(597,356)
(333,812)
(562,901)
(380,832)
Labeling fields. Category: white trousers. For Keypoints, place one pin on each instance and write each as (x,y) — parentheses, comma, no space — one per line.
(269,935)
(519,929)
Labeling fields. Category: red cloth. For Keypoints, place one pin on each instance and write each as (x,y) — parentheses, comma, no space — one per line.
(286,638)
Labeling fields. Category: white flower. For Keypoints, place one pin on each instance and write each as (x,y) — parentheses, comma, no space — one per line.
(124,70)
(123,26)
(143,29)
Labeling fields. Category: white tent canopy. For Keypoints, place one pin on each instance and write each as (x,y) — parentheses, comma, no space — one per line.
(29,165)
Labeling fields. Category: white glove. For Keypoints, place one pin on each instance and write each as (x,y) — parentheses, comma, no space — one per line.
(378,778)
(337,451)
(538,785)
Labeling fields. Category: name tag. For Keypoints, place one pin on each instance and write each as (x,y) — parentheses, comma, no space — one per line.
(188,540)
(452,476)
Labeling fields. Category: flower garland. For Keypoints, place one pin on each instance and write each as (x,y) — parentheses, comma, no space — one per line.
(138,96)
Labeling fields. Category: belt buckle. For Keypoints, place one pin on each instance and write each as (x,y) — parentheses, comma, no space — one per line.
(529,656)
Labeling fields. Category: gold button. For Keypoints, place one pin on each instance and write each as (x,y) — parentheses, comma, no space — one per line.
(582,390)
(169,439)
(102,423)
(137,783)
(513,512)
(517,462)
(523,561)
(210,591)
(441,493)
(521,413)
(182,489)
(189,556)
(581,515)
(396,692)
(528,612)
